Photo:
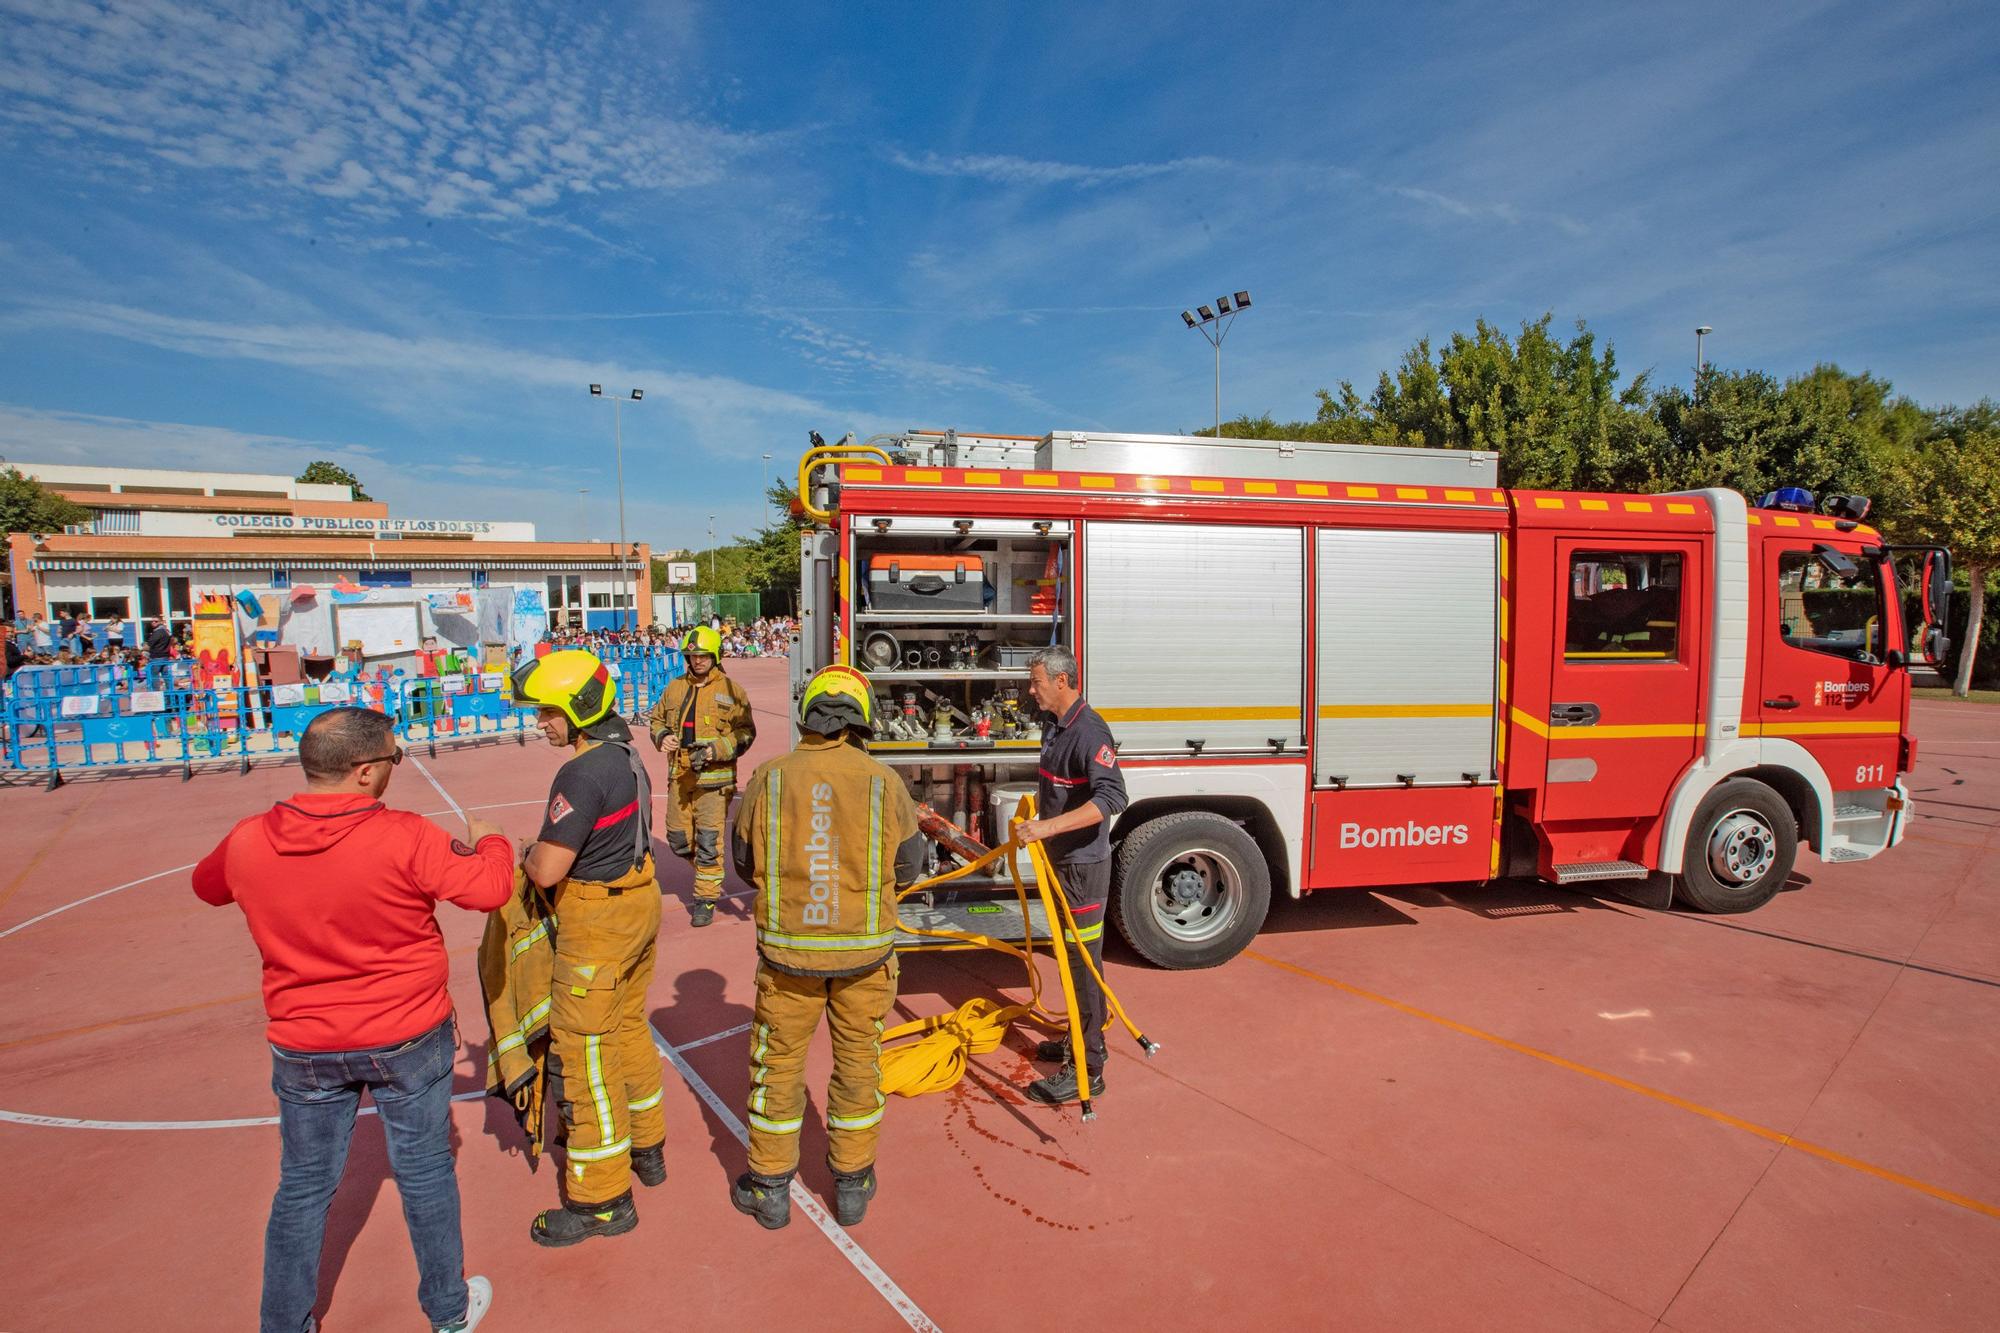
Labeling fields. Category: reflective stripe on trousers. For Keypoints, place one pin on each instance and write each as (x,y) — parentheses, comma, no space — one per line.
(600,1045)
(789,1010)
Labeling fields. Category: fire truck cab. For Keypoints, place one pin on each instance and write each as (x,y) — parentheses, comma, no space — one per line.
(1342,666)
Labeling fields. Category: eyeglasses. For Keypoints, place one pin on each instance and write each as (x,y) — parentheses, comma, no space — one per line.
(395,758)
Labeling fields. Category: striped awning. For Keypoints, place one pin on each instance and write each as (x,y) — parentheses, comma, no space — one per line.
(309,564)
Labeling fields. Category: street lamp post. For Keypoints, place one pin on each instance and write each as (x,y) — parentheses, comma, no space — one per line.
(1701,331)
(1214,325)
(624,553)
(770,505)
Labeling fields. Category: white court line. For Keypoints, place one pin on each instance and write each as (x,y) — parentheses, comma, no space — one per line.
(102,893)
(431,778)
(246,1122)
(850,1250)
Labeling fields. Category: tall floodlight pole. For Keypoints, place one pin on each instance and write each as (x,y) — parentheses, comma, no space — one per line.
(1214,325)
(770,505)
(711,557)
(1701,331)
(624,553)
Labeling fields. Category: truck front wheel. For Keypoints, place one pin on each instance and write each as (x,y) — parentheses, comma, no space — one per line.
(1740,848)
(1189,890)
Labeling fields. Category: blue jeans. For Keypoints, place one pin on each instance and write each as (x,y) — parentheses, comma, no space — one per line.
(318,1094)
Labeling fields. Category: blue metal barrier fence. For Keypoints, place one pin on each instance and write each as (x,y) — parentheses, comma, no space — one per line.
(58,721)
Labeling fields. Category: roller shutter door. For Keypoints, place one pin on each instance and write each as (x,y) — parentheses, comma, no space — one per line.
(1407,627)
(1196,632)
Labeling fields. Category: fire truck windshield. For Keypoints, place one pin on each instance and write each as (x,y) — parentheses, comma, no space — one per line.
(1824,610)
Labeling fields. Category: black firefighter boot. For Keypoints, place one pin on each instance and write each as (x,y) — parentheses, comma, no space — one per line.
(1060,1088)
(767,1200)
(577,1222)
(650,1164)
(702,912)
(851,1194)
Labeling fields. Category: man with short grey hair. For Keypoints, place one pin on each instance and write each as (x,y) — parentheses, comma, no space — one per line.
(340,893)
(1078,791)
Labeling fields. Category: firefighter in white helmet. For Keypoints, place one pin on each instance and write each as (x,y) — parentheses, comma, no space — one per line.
(825,835)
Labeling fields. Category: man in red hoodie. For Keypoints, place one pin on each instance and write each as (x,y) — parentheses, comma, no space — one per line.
(340,894)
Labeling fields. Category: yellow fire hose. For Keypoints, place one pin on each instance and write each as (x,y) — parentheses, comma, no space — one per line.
(935,1050)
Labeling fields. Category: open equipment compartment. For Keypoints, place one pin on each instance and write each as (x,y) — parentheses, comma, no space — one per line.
(944,617)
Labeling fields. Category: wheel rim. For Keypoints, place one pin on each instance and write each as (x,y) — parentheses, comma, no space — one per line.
(1743,848)
(1197,895)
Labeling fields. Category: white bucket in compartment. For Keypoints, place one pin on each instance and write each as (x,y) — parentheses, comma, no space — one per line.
(1002,798)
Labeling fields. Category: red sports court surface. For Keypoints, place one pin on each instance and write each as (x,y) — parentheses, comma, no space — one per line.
(1436,1108)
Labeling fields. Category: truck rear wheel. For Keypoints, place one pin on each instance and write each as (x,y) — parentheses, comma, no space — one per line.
(1189,890)
(1740,848)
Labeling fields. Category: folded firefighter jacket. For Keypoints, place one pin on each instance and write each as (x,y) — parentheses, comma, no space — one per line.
(516,975)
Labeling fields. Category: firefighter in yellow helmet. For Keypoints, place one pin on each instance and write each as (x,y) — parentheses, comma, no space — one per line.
(703,720)
(594,858)
(825,835)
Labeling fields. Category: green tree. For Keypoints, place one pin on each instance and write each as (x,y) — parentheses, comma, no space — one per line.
(1828,430)
(28,506)
(773,565)
(320,472)
(1551,408)
(1946,490)
(1265,427)
(766,563)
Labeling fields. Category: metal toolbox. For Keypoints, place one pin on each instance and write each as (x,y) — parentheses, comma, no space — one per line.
(1202,456)
(919,582)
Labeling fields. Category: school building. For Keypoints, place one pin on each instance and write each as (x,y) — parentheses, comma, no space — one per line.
(157,541)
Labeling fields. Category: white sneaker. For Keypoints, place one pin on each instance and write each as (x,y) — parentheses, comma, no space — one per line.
(478,1300)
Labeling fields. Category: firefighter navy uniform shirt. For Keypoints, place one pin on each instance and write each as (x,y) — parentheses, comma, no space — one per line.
(592,804)
(1079,763)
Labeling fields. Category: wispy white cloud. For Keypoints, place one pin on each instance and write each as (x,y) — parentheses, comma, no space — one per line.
(1501,211)
(379,111)
(1004,170)
(455,485)
(38,435)
(843,352)
(723,410)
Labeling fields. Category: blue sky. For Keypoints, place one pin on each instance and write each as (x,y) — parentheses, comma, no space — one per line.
(407,236)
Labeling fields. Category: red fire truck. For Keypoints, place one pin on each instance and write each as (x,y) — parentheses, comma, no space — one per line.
(1338,666)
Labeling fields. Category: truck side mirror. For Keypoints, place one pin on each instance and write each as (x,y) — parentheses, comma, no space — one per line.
(1936,646)
(1937,586)
(1837,561)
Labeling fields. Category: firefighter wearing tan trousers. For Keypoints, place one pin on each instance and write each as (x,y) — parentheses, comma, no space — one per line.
(825,835)
(594,857)
(703,720)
